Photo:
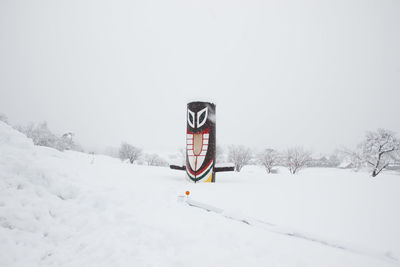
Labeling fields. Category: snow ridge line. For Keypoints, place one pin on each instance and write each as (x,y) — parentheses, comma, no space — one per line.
(388,257)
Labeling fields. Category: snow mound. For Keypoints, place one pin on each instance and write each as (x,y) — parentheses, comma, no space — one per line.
(31,193)
(75,209)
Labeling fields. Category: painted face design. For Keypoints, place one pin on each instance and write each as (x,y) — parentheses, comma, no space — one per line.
(200,141)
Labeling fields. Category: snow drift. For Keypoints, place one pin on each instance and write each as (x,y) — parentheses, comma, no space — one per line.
(74,209)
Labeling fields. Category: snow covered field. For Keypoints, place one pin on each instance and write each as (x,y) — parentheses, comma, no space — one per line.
(75,209)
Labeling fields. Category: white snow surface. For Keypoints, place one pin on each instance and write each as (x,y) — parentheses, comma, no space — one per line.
(74,209)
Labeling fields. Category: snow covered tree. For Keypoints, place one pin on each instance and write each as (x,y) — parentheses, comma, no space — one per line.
(334,160)
(239,156)
(296,159)
(219,154)
(352,158)
(395,156)
(127,151)
(4,118)
(67,142)
(40,135)
(268,158)
(325,161)
(155,160)
(379,149)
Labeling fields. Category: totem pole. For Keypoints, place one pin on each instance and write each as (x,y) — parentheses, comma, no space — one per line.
(200,143)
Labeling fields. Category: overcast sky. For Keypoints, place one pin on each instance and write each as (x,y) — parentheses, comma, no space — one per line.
(282,73)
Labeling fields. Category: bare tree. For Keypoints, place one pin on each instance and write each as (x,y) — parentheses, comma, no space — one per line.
(379,149)
(268,158)
(127,151)
(296,159)
(219,154)
(155,160)
(240,156)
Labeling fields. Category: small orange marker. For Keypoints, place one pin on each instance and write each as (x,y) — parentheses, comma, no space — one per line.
(187,193)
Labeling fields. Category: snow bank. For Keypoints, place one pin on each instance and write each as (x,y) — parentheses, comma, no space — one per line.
(33,189)
(74,209)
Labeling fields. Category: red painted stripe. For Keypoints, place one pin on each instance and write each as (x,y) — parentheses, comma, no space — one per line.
(190,169)
(203,132)
(199,172)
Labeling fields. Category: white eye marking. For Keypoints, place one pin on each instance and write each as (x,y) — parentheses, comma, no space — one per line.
(202,117)
(190,118)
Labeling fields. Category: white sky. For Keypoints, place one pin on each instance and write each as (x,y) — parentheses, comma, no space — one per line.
(282,73)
